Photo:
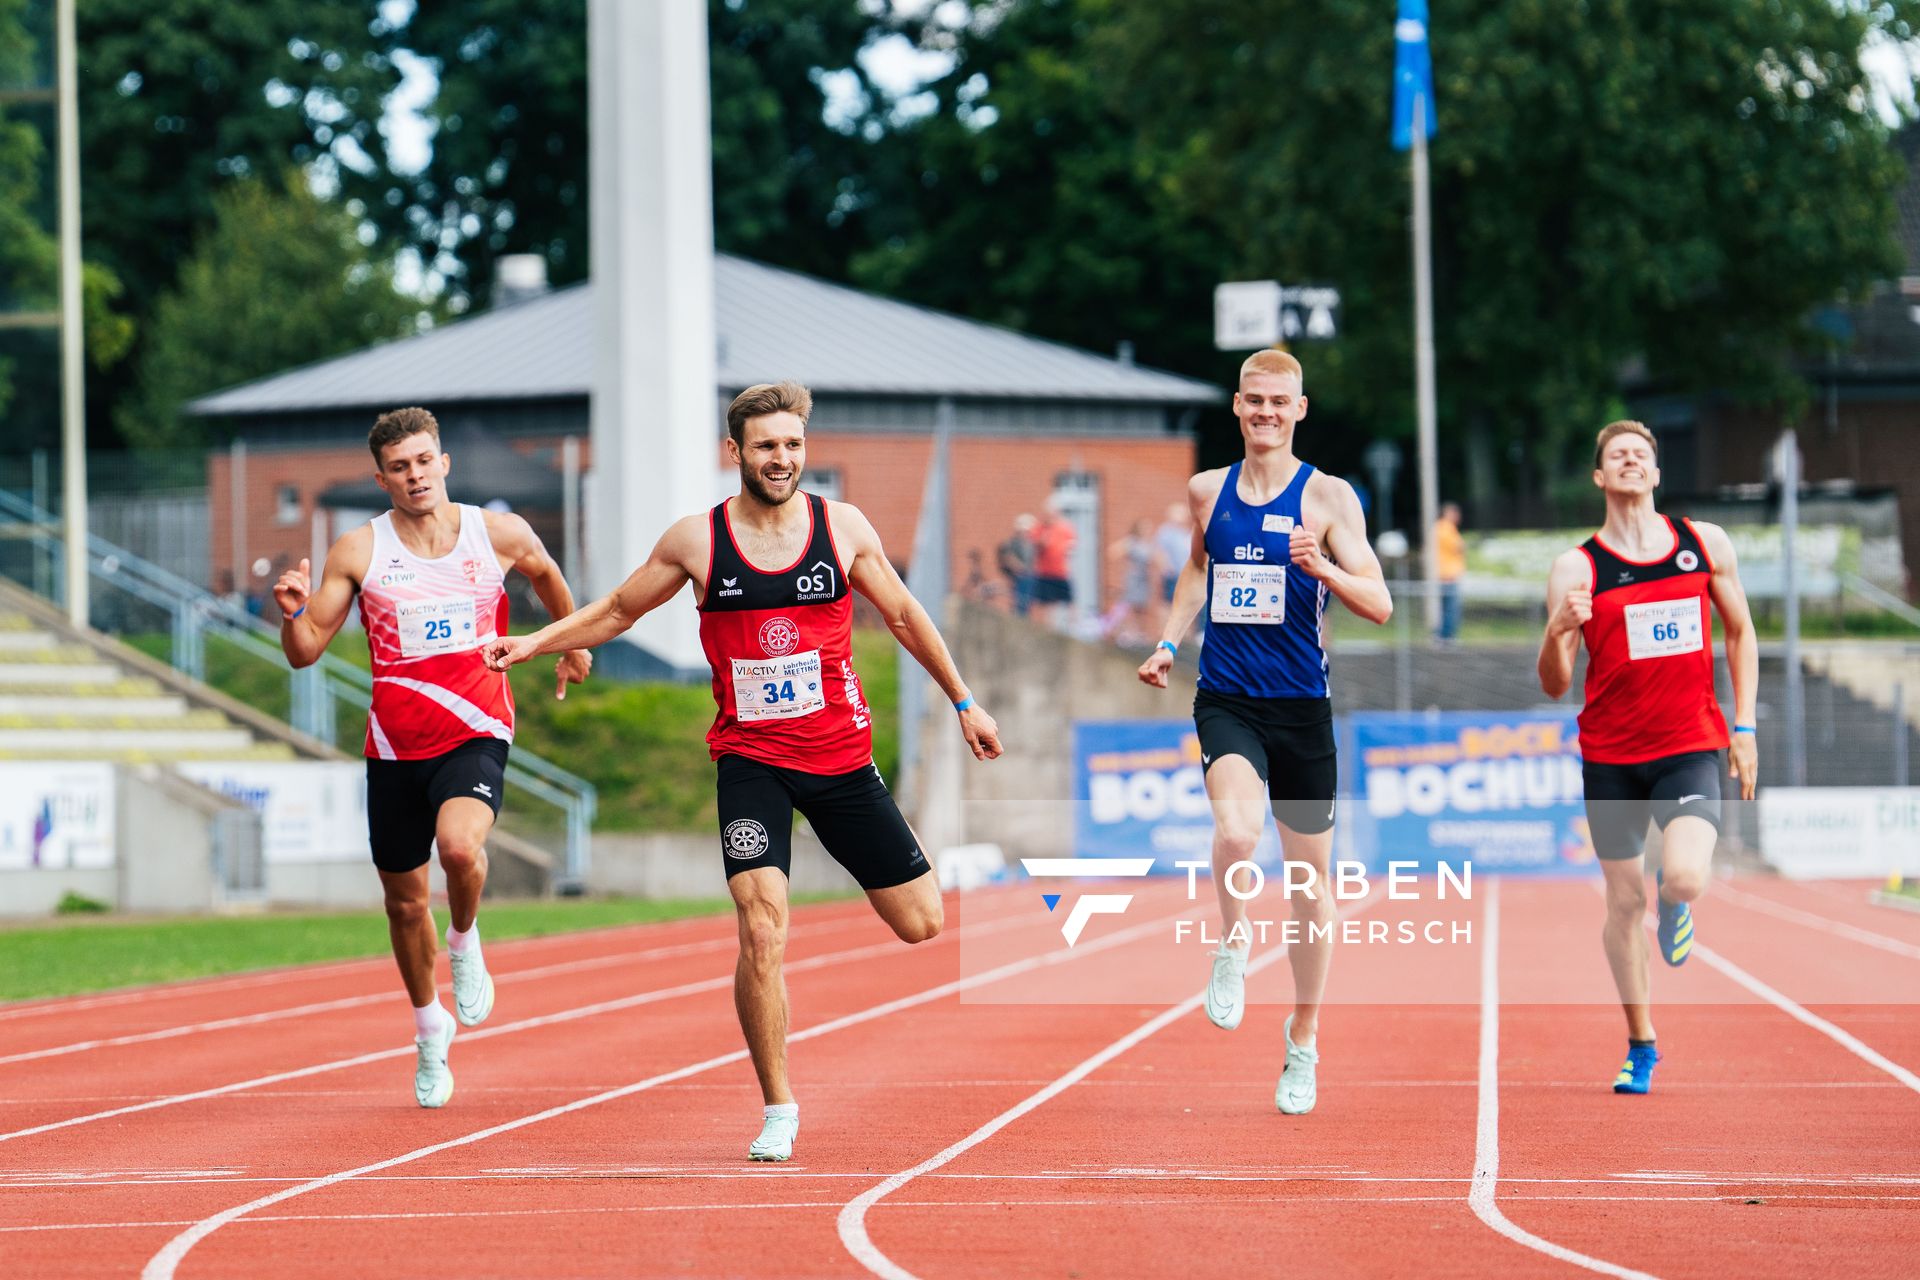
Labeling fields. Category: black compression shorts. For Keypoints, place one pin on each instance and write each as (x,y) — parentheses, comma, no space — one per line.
(853,814)
(1289,743)
(404,797)
(1621,797)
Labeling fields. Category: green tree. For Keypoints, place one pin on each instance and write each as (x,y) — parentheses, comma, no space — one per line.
(180,98)
(1025,198)
(1615,183)
(510,152)
(280,278)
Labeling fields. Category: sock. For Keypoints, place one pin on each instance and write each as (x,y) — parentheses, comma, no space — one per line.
(1638,1044)
(783,1110)
(462,943)
(428,1020)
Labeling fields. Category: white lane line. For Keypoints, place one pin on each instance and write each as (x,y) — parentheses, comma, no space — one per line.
(852,1222)
(1486,1154)
(1837,928)
(723,982)
(1800,1013)
(163,1264)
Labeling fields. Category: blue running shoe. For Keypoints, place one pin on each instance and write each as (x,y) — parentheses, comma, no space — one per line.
(1676,927)
(1636,1073)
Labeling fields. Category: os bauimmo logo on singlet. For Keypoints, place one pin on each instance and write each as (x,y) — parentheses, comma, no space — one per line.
(815,583)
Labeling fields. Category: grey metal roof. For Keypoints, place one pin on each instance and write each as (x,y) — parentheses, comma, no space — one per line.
(772,324)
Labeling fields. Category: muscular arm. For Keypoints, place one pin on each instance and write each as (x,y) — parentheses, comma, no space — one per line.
(305,638)
(1353,575)
(873,576)
(647,588)
(1569,605)
(1190,588)
(515,542)
(1743,650)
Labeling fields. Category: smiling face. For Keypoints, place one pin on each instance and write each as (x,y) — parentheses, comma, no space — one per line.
(771,455)
(1628,466)
(1269,406)
(413,471)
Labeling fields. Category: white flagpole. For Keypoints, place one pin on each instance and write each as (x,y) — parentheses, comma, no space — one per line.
(73,372)
(1423,361)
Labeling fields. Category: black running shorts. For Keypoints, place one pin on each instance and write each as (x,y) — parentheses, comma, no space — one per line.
(853,814)
(404,797)
(1289,743)
(1621,797)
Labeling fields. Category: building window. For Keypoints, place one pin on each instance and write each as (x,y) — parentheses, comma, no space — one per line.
(286,504)
(827,482)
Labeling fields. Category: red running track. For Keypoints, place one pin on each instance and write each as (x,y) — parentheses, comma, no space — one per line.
(265,1125)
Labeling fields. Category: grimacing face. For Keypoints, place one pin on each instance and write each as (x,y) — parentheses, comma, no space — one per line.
(1627,465)
(1269,406)
(414,473)
(772,455)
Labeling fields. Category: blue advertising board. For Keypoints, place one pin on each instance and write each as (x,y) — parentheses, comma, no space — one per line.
(1138,791)
(1501,790)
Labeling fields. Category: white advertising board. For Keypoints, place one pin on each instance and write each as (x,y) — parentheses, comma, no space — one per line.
(310,810)
(56,815)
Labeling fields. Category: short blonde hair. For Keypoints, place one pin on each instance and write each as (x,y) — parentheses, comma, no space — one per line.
(765,398)
(1279,362)
(1624,427)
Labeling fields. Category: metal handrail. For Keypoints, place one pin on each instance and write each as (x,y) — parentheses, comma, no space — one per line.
(1876,594)
(313,689)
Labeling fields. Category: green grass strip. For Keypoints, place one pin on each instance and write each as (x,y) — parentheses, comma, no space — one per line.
(98,954)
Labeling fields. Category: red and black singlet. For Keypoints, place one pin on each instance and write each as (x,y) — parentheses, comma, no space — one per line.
(780,642)
(1649,688)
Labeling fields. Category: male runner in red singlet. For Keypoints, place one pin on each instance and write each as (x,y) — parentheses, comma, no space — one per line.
(1651,732)
(431,578)
(771,577)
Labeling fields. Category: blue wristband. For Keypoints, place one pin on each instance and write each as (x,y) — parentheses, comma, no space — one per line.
(1743,728)
(296,613)
(1170,647)
(964,703)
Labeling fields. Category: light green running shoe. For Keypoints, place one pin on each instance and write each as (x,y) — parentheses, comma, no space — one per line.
(1297,1091)
(1227,987)
(776,1139)
(472,987)
(432,1078)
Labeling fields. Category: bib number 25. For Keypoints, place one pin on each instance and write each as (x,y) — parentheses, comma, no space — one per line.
(439,629)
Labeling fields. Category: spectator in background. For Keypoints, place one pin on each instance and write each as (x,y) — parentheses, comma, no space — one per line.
(1173,546)
(1450,566)
(1133,556)
(978,586)
(1015,557)
(1052,557)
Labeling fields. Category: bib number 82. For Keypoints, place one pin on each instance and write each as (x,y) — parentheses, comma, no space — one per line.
(1242,597)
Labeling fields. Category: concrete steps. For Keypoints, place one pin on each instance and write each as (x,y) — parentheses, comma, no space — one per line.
(156,742)
(92,708)
(141,755)
(52,675)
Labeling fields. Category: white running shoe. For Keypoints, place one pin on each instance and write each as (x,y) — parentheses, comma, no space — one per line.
(432,1078)
(472,987)
(776,1139)
(1296,1092)
(1227,987)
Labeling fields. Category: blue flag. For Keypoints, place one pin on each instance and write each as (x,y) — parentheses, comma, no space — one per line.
(1412,73)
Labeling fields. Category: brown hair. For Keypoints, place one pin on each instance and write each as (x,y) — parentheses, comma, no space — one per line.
(1279,362)
(1624,427)
(768,397)
(396,425)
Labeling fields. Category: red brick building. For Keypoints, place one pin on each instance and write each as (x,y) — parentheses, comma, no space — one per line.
(510,389)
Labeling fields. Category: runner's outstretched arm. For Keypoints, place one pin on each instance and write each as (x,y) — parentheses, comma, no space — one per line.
(513,536)
(873,576)
(646,589)
(1743,652)
(1569,605)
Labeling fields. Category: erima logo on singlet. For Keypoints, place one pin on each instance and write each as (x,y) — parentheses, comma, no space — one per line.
(731,587)
(1249,553)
